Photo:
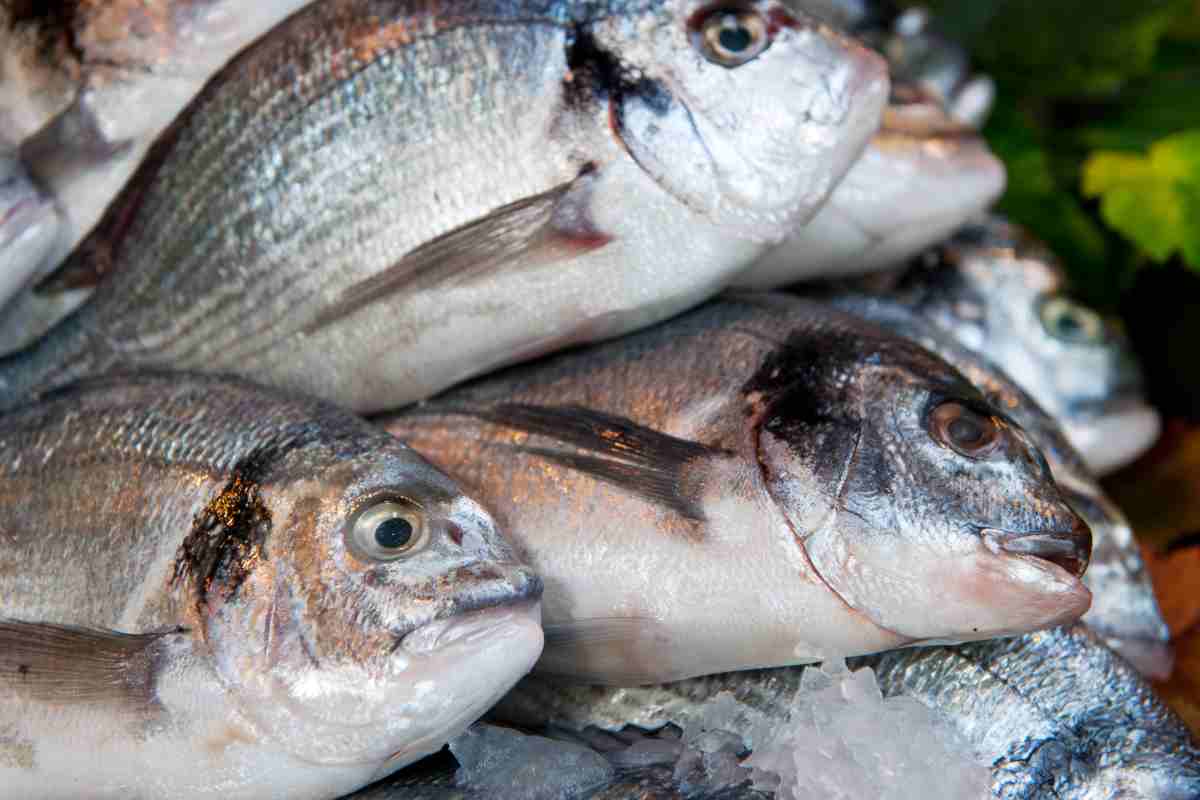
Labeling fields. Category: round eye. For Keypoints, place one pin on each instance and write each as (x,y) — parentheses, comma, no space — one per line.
(731,38)
(388,530)
(1065,319)
(963,430)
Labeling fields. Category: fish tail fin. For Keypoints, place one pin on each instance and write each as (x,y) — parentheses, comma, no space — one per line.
(62,356)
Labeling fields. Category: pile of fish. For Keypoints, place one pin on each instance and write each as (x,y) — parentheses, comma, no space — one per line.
(362,356)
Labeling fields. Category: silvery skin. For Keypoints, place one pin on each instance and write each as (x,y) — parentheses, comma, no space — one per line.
(208,589)
(624,162)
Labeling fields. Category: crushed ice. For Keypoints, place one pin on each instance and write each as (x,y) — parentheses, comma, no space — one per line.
(842,740)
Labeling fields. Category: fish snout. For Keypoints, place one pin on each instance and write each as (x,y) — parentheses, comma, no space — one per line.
(495,584)
(1070,550)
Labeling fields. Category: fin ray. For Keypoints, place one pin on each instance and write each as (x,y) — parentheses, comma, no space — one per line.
(69,664)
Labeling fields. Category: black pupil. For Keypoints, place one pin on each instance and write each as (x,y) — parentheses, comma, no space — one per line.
(735,39)
(1069,323)
(967,430)
(393,533)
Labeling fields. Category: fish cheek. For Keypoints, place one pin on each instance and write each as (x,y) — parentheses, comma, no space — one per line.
(659,133)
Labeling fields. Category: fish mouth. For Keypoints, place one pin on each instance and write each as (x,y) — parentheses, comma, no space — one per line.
(1112,439)
(468,627)
(1069,551)
(913,113)
(513,587)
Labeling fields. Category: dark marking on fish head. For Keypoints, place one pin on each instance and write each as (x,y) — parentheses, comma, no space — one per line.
(228,539)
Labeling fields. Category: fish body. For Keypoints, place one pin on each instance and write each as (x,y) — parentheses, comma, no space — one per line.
(384,197)
(1000,292)
(88,87)
(1124,609)
(30,226)
(695,495)
(921,178)
(1053,713)
(208,588)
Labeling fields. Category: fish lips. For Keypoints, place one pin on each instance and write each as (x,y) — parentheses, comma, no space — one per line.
(1067,550)
(514,586)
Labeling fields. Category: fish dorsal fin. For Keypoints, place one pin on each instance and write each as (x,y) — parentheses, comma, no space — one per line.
(529,232)
(74,665)
(617,450)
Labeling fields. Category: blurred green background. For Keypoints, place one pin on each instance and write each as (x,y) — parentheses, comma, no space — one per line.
(1098,119)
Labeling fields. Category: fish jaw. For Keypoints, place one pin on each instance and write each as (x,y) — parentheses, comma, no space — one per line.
(30,228)
(377,718)
(905,193)
(928,594)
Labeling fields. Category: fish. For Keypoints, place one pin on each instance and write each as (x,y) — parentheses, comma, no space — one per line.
(208,587)
(1124,608)
(1053,713)
(764,481)
(383,198)
(88,87)
(999,291)
(30,226)
(922,177)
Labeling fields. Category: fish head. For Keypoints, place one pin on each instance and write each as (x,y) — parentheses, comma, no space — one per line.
(923,507)
(1001,293)
(745,112)
(382,613)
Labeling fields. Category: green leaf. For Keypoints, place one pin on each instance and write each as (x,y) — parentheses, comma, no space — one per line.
(1153,200)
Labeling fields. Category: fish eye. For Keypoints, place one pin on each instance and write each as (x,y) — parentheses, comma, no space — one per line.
(388,530)
(964,430)
(1072,322)
(731,37)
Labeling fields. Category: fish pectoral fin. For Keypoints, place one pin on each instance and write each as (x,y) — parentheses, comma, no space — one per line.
(547,227)
(68,664)
(618,651)
(641,460)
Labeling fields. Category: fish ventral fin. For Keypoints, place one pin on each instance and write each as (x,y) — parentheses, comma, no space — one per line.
(75,665)
(615,449)
(527,233)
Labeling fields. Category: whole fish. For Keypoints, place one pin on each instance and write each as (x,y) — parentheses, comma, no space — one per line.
(384,197)
(1054,713)
(763,481)
(30,226)
(207,588)
(920,179)
(1000,292)
(1124,609)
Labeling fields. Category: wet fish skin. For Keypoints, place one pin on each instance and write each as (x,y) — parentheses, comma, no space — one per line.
(30,226)
(1055,713)
(1001,292)
(1124,609)
(89,86)
(187,604)
(577,152)
(920,179)
(758,443)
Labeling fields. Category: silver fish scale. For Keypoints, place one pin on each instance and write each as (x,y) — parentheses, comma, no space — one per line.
(1056,713)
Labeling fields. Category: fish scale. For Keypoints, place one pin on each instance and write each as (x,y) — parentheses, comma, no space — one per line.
(384,197)
(202,559)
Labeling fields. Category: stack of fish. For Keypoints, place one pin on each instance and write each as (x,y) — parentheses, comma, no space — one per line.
(216,577)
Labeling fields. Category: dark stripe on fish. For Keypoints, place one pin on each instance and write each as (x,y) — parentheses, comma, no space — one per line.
(228,536)
(68,664)
(641,460)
